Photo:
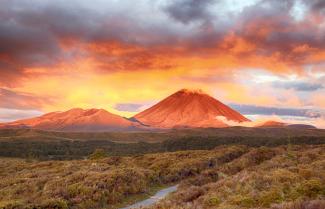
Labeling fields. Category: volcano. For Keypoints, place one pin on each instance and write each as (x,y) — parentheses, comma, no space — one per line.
(77,120)
(189,108)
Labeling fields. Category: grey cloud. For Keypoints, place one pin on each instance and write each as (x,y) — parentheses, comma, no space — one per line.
(260,110)
(299,86)
(187,11)
(130,107)
(31,32)
(315,114)
(26,45)
(285,32)
(316,5)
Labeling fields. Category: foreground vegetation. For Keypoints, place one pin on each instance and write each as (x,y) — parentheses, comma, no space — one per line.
(283,177)
(279,178)
(35,144)
(101,182)
(233,168)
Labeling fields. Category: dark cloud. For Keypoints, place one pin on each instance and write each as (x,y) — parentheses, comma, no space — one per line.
(35,34)
(26,45)
(43,33)
(270,25)
(316,5)
(18,100)
(298,86)
(187,11)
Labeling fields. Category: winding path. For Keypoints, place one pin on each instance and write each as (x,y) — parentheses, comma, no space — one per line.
(153,199)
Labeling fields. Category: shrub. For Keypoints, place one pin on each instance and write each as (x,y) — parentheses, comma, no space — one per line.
(213,201)
(98,154)
(192,194)
(262,177)
(54,204)
(311,204)
(12,204)
(244,201)
(312,188)
(269,197)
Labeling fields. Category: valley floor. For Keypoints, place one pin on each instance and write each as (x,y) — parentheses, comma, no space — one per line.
(290,176)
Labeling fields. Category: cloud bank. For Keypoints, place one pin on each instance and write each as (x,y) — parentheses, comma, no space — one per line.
(55,55)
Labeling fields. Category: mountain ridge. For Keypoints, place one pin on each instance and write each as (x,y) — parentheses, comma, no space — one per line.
(186,108)
(77,119)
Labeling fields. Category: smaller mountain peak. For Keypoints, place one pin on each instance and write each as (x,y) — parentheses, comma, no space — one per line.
(272,123)
(192,91)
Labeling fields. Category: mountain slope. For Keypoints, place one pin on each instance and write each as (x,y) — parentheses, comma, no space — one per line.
(188,108)
(272,123)
(77,119)
(277,124)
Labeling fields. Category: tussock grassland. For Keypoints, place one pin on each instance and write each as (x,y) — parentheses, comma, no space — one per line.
(285,177)
(102,182)
(239,177)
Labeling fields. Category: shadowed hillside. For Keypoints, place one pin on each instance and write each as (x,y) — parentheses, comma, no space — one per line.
(61,145)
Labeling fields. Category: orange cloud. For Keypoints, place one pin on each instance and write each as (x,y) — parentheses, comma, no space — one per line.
(92,66)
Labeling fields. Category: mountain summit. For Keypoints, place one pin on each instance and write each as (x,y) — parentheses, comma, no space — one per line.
(77,119)
(189,108)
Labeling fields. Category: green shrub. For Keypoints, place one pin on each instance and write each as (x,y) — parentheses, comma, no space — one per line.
(244,201)
(12,204)
(312,188)
(213,201)
(78,189)
(98,154)
(54,204)
(270,197)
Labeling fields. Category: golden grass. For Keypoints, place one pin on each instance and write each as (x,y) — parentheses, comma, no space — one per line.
(262,178)
(101,183)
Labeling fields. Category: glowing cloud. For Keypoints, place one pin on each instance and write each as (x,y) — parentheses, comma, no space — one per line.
(59,55)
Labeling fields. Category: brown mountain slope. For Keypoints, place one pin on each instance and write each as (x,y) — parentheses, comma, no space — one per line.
(272,123)
(277,124)
(188,108)
(77,120)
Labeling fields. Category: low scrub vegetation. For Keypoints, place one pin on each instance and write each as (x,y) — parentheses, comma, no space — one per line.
(44,145)
(285,177)
(101,182)
(239,177)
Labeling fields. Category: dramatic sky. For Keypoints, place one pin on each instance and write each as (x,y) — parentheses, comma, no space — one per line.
(265,58)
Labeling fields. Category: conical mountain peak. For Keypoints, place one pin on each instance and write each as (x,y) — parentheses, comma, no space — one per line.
(188,108)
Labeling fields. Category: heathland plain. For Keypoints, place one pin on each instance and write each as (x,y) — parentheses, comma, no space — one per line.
(282,177)
(233,167)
